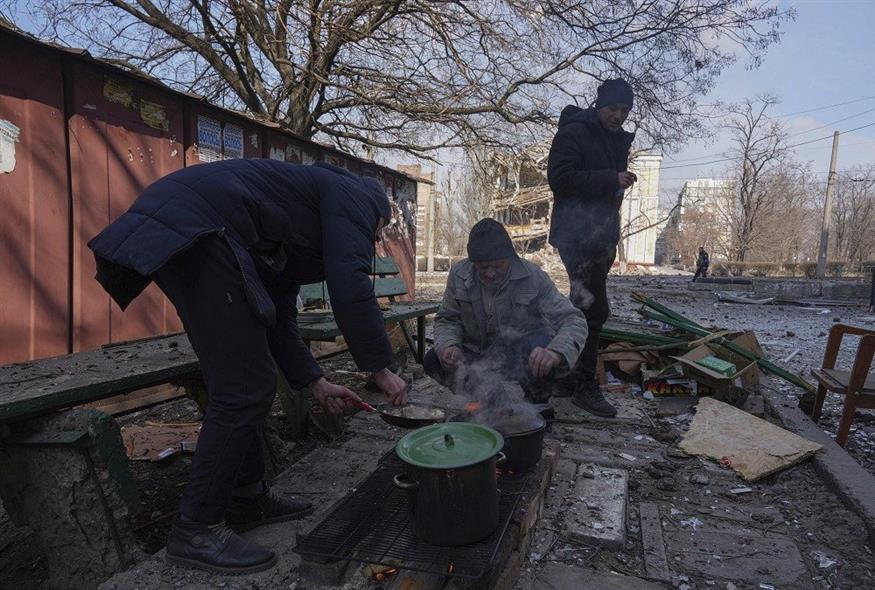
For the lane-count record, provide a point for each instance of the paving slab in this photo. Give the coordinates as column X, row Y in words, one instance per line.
column 597, row 514
column 744, row 558
column 655, row 560
column 556, row 576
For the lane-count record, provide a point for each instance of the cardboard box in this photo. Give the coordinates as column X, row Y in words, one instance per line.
column 747, row 376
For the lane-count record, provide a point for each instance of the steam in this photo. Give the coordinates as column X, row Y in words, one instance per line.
column 495, row 397
column 580, row 296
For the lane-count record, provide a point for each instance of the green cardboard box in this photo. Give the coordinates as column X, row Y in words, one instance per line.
column 746, row 375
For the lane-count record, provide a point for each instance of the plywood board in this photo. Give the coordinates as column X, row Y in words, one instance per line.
column 751, row 446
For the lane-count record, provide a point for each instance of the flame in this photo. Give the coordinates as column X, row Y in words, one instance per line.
column 472, row 406
column 381, row 576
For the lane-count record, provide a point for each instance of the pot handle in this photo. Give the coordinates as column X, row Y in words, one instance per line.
column 399, row 482
column 501, row 458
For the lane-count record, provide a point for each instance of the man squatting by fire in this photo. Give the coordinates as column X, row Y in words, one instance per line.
column 230, row 243
column 587, row 173
column 503, row 317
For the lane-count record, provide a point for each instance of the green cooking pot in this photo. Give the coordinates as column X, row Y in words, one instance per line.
column 450, row 481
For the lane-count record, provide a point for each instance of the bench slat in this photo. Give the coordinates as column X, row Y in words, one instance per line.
column 390, row 287
column 385, row 265
column 383, row 287
column 326, row 330
column 36, row 387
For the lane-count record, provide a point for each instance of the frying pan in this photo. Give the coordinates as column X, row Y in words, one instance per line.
column 390, row 415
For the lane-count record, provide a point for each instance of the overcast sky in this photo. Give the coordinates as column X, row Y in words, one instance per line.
column 826, row 57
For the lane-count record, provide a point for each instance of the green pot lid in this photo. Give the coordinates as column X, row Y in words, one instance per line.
column 449, row 445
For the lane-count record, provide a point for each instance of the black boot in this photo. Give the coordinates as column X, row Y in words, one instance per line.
column 215, row 547
column 246, row 513
column 590, row 398
column 565, row 387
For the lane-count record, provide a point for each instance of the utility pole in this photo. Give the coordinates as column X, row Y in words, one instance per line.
column 430, row 224
column 827, row 209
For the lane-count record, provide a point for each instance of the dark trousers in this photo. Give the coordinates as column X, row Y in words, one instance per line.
column 588, row 275
column 701, row 271
column 206, row 287
column 504, row 359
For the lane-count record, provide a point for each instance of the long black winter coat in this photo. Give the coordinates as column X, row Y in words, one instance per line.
column 582, row 171
column 287, row 225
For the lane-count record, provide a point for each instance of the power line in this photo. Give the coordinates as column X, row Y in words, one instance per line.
column 832, row 123
column 661, row 179
column 838, row 104
column 788, row 147
column 723, row 154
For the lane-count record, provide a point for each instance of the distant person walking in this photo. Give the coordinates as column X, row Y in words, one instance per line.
column 702, row 263
column 587, row 174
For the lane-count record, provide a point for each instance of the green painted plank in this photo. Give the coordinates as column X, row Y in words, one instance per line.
column 326, row 330
column 390, row 287
column 385, row 265
column 383, row 287
column 45, row 385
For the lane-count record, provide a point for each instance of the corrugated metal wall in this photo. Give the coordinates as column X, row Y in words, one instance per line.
column 79, row 140
column 34, row 209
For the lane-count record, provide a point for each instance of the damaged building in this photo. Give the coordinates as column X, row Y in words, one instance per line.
column 526, row 212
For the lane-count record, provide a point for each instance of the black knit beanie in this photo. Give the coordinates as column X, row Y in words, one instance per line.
column 489, row 240
column 616, row 91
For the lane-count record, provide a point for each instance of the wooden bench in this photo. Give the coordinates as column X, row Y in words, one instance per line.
column 388, row 285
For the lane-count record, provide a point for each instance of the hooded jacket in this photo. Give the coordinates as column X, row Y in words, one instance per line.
column 286, row 224
column 582, row 170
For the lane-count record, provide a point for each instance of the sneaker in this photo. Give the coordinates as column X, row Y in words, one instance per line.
column 215, row 548
column 265, row 508
column 593, row 401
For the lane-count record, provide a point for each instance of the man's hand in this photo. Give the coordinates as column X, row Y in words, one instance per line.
column 392, row 385
column 542, row 361
column 334, row 398
column 626, row 179
column 450, row 357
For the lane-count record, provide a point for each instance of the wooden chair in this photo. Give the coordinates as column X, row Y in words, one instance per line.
column 857, row 385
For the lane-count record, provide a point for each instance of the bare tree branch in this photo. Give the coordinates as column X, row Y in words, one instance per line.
column 419, row 75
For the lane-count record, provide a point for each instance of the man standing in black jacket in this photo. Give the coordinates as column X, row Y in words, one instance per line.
column 230, row 243
column 587, row 174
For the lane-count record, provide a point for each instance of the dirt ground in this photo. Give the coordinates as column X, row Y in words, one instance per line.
column 793, row 504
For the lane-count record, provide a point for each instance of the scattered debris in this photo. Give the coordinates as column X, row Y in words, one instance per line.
column 791, row 356
column 741, row 490
column 627, row 456
column 698, row 478
column 727, row 297
column 823, row 562
column 692, row 523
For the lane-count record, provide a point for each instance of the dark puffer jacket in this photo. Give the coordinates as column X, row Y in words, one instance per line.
column 582, row 171
column 287, row 225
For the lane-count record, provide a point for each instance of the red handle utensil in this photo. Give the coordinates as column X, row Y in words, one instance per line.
column 365, row 406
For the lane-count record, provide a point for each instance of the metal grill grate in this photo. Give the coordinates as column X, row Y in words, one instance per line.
column 372, row 525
